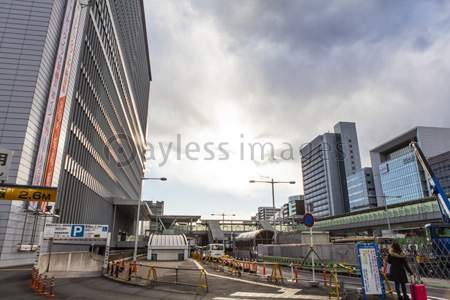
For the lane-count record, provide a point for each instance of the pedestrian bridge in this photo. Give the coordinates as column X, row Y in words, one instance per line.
column 401, row 215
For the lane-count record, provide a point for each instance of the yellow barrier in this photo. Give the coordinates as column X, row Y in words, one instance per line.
column 218, row 263
column 129, row 272
column 254, row 268
column 274, row 278
column 389, row 291
column 234, row 268
column 150, row 273
column 336, row 284
column 202, row 272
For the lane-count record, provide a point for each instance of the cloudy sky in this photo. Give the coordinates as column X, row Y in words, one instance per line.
column 227, row 74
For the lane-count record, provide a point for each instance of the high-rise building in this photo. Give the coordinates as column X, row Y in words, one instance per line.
column 74, row 92
column 326, row 162
column 267, row 213
column 398, row 175
column 441, row 168
column 285, row 210
column 296, row 205
column 361, row 190
column 157, row 207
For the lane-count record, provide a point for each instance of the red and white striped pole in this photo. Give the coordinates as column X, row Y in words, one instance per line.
column 51, row 288
column 32, row 277
column 39, row 284
column 45, row 286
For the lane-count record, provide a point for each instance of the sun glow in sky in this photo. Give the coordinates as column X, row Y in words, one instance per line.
column 230, row 74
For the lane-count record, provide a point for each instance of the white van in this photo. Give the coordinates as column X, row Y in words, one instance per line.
column 216, row 250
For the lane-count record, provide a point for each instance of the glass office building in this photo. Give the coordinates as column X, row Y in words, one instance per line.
column 361, row 190
column 398, row 176
column 441, row 168
column 402, row 176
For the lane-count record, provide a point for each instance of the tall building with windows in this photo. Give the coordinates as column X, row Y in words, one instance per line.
column 361, row 190
column 326, row 162
column 441, row 168
column 296, row 205
column 75, row 78
column 267, row 213
column 398, row 175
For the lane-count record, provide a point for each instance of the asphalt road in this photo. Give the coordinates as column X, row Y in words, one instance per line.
column 14, row 284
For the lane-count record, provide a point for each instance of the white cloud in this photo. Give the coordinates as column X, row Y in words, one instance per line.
column 287, row 71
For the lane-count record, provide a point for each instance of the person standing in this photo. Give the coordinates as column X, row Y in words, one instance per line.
column 399, row 266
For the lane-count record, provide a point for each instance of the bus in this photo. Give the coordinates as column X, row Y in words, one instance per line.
column 215, row 250
column 438, row 234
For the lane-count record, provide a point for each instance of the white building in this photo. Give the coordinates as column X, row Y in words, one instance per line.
column 167, row 247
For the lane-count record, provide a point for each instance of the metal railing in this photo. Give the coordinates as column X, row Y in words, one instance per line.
column 429, row 259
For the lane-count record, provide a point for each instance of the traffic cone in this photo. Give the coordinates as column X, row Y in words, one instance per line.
column 45, row 286
column 51, row 288
column 39, row 284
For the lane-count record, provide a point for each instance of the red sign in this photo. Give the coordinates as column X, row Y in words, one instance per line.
column 308, row 220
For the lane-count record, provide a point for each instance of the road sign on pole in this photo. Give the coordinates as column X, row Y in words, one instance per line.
column 308, row 220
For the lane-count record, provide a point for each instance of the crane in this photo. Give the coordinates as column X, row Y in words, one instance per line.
column 436, row 189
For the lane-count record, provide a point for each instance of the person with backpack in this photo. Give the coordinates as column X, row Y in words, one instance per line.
column 399, row 266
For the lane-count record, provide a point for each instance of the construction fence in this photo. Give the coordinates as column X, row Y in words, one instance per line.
column 427, row 259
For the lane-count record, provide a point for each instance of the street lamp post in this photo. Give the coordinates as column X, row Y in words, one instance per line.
column 223, row 222
column 273, row 203
column 386, row 211
column 137, row 219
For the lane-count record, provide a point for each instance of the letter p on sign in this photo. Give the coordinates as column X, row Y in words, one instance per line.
column 77, row 231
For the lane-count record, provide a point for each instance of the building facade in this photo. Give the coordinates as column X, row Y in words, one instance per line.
column 324, row 162
column 296, row 205
column 267, row 213
column 398, row 175
column 441, row 168
column 285, row 210
column 361, row 190
column 74, row 92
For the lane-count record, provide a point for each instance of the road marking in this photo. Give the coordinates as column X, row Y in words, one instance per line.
column 287, row 293
column 437, row 298
column 225, row 298
column 199, row 265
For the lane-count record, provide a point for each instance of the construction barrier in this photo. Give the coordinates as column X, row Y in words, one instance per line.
column 44, row 286
column 336, row 284
column 152, row 277
column 38, row 287
column 131, row 269
column 388, row 289
column 234, row 268
column 52, row 285
column 33, row 273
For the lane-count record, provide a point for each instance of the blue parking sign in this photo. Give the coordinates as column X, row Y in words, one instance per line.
column 77, row 231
